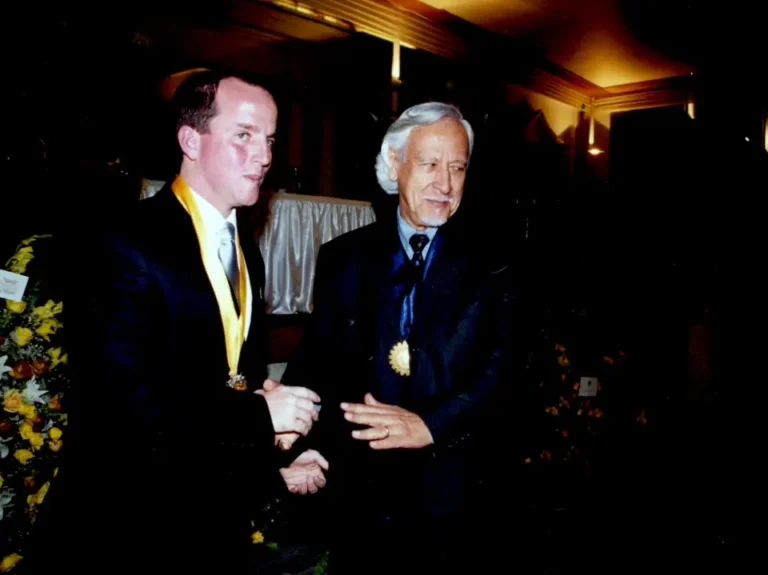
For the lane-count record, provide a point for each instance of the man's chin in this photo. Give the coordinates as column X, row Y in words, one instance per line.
column 434, row 221
column 250, row 197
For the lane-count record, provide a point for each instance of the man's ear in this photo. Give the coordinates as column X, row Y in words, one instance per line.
column 394, row 164
column 189, row 142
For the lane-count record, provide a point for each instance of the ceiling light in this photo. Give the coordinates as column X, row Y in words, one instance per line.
column 595, row 151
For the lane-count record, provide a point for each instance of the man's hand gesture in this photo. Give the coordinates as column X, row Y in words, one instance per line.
column 292, row 410
column 391, row 427
column 305, row 474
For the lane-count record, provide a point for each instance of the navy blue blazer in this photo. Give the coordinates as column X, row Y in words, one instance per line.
column 182, row 458
column 459, row 341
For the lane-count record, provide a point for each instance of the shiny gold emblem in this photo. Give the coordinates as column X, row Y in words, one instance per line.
column 238, row 382
column 400, row 358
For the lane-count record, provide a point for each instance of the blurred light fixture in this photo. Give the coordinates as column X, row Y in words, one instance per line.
column 765, row 129
column 691, row 108
column 309, row 12
column 169, row 84
column 396, row 61
column 595, row 151
column 591, row 130
column 746, row 139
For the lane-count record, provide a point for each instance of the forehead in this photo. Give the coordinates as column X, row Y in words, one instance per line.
column 447, row 136
column 237, row 98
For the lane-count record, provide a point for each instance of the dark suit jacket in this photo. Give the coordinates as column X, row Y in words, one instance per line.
column 460, row 334
column 174, row 461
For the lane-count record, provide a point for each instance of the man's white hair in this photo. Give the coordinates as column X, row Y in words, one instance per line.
column 398, row 133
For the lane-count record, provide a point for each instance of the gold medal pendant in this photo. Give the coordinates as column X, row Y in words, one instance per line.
column 238, row 382
column 400, row 358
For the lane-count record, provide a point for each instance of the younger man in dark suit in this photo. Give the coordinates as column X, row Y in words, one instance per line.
column 181, row 438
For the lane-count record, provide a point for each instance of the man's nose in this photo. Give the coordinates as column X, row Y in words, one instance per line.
column 262, row 153
column 442, row 181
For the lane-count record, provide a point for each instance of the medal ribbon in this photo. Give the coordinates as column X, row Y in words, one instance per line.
column 234, row 326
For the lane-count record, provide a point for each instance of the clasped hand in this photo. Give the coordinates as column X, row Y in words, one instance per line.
column 390, row 426
column 292, row 410
column 305, row 474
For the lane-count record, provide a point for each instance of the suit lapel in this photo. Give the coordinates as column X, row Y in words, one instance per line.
column 254, row 355
column 438, row 296
column 187, row 276
column 439, row 301
column 380, row 327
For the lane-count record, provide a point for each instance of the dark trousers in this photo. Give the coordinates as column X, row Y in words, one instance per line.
column 407, row 545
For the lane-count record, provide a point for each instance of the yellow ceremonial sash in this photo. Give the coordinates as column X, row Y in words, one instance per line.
column 234, row 326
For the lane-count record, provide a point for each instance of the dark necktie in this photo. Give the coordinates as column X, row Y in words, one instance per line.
column 418, row 243
column 228, row 257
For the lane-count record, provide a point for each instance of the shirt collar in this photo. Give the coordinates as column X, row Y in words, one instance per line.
column 212, row 218
column 406, row 232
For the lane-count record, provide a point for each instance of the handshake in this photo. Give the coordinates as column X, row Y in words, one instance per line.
column 293, row 411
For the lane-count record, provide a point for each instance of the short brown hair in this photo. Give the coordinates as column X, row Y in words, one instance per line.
column 194, row 102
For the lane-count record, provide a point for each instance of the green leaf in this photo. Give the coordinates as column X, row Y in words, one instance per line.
column 272, row 545
column 322, row 565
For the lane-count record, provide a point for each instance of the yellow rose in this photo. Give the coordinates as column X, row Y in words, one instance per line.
column 9, row 562
column 48, row 327
column 56, row 358
column 1, row 480
column 26, row 431
column 48, row 310
column 37, row 498
column 27, row 410
column 55, row 433
column 36, row 441
column 18, row 262
column 257, row 537
column 16, row 306
column 23, row 455
column 22, row 336
column 55, row 446
column 12, row 401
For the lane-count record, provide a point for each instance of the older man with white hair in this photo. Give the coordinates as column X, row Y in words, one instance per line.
column 407, row 348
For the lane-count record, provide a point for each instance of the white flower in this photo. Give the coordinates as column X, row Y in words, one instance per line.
column 4, row 451
column 6, row 496
column 32, row 393
column 4, row 368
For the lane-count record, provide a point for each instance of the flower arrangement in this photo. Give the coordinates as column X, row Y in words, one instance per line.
column 578, row 380
column 33, row 387
column 575, row 417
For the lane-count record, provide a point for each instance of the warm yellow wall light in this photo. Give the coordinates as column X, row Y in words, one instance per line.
column 765, row 129
column 396, row 61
